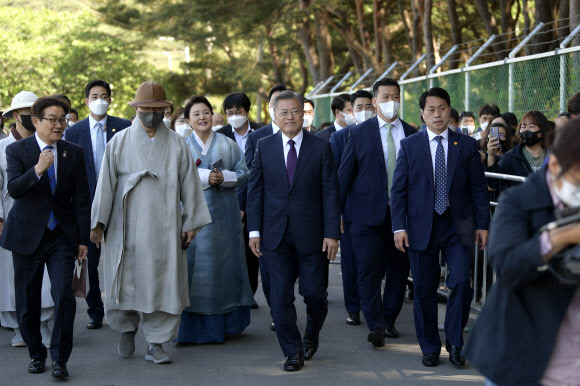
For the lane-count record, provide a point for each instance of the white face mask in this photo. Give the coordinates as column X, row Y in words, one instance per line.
column 167, row 122
column 184, row 130
column 99, row 107
column 349, row 119
column 237, row 121
column 70, row 123
column 484, row 125
column 390, row 109
column 568, row 193
column 308, row 119
column 217, row 127
column 271, row 111
column 362, row 116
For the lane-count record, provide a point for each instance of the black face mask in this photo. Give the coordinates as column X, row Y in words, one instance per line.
column 530, row 138
column 151, row 119
column 26, row 121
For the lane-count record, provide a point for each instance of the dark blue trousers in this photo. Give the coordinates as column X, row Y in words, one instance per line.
column 375, row 255
column 426, row 275
column 285, row 265
column 349, row 271
column 96, row 310
column 59, row 256
column 265, row 275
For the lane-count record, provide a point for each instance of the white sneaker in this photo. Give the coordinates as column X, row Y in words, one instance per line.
column 46, row 334
column 17, row 340
column 156, row 354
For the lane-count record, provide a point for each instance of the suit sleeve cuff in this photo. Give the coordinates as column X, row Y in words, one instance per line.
column 230, row 179
column 204, row 177
column 400, row 230
column 254, row 234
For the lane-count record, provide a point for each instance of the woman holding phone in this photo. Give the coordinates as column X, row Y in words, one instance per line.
column 220, row 294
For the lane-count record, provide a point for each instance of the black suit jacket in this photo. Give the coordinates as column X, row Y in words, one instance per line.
column 309, row 207
column 33, row 200
column 80, row 134
column 515, row 333
column 327, row 133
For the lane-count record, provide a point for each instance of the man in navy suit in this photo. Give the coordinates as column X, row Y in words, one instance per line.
column 251, row 146
column 343, row 116
column 365, row 174
column 363, row 109
column 294, row 216
column 48, row 224
column 237, row 107
column 439, row 204
column 92, row 134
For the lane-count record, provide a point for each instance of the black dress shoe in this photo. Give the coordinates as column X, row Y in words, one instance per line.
column 377, row 337
column 391, row 332
column 310, row 346
column 294, row 362
column 455, row 355
column 430, row 360
column 94, row 324
column 272, row 327
column 37, row 366
column 353, row 318
column 59, row 370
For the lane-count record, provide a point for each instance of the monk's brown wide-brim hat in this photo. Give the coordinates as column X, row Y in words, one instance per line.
column 150, row 94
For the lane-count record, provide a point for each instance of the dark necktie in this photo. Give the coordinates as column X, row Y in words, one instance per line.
column 52, row 222
column 291, row 161
column 440, row 178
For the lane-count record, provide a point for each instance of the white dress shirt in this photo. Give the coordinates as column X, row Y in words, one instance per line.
column 42, row 145
column 241, row 139
column 286, row 147
column 230, row 178
column 275, row 128
column 94, row 132
column 398, row 134
column 337, row 126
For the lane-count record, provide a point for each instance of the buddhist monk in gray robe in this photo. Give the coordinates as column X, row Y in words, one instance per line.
column 148, row 203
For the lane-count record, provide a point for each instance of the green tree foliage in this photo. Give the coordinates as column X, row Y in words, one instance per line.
column 53, row 51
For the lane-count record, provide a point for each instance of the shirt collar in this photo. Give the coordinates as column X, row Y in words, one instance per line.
column 275, row 128
column 297, row 139
column 432, row 135
column 41, row 144
column 244, row 135
column 337, row 126
column 93, row 122
column 382, row 122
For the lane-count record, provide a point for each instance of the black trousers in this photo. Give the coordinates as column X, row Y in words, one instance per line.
column 96, row 310
column 59, row 256
column 251, row 260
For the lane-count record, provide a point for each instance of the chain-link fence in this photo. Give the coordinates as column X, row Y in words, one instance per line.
column 541, row 82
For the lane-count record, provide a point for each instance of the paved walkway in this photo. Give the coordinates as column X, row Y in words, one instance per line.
column 254, row 358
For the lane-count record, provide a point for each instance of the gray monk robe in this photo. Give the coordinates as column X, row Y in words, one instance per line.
column 148, row 193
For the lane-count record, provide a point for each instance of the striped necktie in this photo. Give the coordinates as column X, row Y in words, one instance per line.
column 50, row 173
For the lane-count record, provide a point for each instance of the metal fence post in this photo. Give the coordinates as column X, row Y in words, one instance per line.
column 367, row 73
column 468, row 63
column 512, row 55
column 411, row 69
column 563, row 68
column 391, row 68
column 336, row 86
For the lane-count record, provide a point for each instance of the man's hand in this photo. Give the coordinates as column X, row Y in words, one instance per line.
column 189, row 236
column 563, row 237
column 255, row 246
column 341, row 226
column 216, row 177
column 242, row 214
column 481, row 238
column 97, row 234
column 330, row 246
column 401, row 241
column 83, row 250
column 45, row 161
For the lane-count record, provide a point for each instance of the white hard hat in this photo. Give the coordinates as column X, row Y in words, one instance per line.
column 22, row 100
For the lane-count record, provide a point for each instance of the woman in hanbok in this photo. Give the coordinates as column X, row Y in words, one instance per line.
column 220, row 293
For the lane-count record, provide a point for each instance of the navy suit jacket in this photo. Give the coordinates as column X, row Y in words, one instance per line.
column 80, row 134
column 413, row 192
column 338, row 141
column 362, row 178
column 309, row 208
column 326, row 133
column 242, row 191
column 251, row 145
column 33, row 199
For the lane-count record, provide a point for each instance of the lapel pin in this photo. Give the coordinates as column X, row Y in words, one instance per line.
column 113, row 130
column 64, row 154
column 455, row 143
